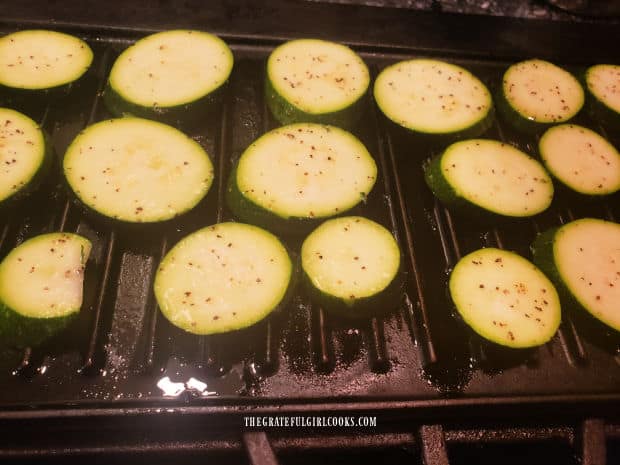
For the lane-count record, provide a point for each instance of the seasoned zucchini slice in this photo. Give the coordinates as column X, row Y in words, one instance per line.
column 581, row 159
column 41, row 287
column 583, row 259
column 434, row 98
column 536, row 94
column 505, row 298
column 25, row 156
column 223, row 278
column 482, row 176
column 172, row 76
column 295, row 176
column 351, row 266
column 137, row 170
column 310, row 80
column 39, row 60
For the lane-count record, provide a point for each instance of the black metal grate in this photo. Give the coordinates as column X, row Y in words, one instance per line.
column 418, row 362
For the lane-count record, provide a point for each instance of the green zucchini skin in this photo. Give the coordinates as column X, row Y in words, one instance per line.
column 362, row 308
column 187, row 115
column 429, row 142
column 182, row 220
column 16, row 97
column 20, row 331
column 514, row 119
column 543, row 256
column 250, row 212
column 444, row 191
column 287, row 113
column 598, row 109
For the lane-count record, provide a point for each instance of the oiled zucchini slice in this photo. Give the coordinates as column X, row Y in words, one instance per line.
column 351, row 266
column 603, row 87
column 583, row 259
column 39, row 60
column 505, row 298
column 434, row 98
column 172, row 76
column 482, row 177
column 223, row 278
column 536, row 94
column 295, row 176
column 41, row 287
column 581, row 159
column 311, row 80
column 137, row 170
column 25, row 155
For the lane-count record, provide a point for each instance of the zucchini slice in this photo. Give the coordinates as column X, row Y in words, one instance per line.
column 603, row 87
column 505, row 298
column 295, row 176
column 137, row 170
column 536, row 94
column 310, row 80
column 171, row 76
column 41, row 287
column 25, row 155
column 351, row 266
column 482, row 176
column 582, row 258
column 223, row 278
column 39, row 60
column 434, row 98
column 581, row 159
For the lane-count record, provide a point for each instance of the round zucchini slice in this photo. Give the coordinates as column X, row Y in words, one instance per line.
column 223, row 278
column 41, row 287
column 311, row 80
column 603, row 87
column 137, row 170
column 434, row 98
column 482, row 177
column 582, row 258
column 39, row 60
column 172, row 76
column 295, row 176
column 581, row 159
column 25, row 155
column 505, row 298
column 351, row 266
column 536, row 94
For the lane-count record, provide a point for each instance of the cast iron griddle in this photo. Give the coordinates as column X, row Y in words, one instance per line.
column 419, row 356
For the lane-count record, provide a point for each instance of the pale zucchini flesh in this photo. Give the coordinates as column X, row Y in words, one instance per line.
column 581, row 159
column 494, row 177
column 137, row 170
column 603, row 82
column 22, row 152
column 40, row 59
column 350, row 259
column 171, row 68
column 306, row 170
column 433, row 97
column 587, row 256
column 317, row 76
column 540, row 92
column 223, row 278
column 505, row 298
